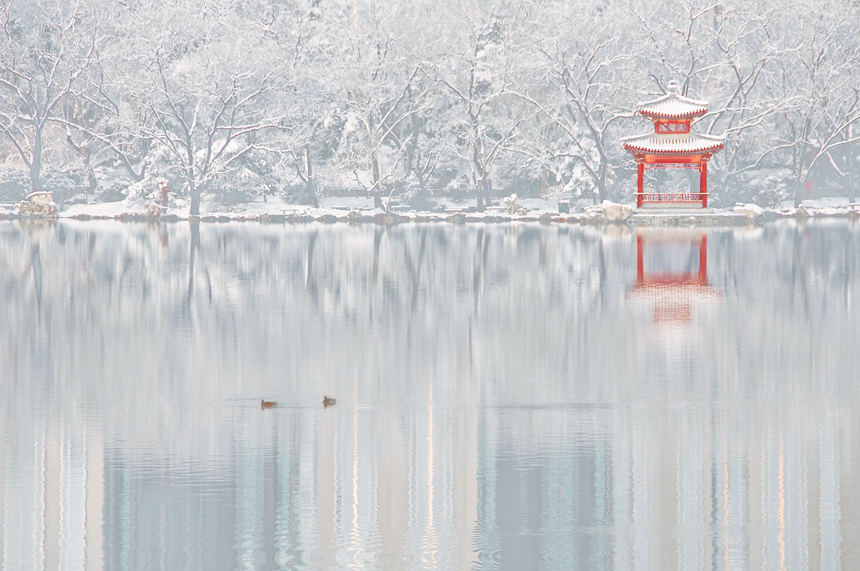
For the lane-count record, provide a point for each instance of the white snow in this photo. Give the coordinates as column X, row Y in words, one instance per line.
column 673, row 143
column 673, row 107
column 749, row 210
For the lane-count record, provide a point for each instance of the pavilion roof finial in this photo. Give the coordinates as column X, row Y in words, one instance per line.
column 673, row 87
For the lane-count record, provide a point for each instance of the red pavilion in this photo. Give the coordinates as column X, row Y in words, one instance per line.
column 673, row 145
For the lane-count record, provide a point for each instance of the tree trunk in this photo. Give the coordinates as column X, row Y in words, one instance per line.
column 194, row 192
column 375, row 167
column 36, row 161
column 310, row 195
column 601, row 189
column 193, row 188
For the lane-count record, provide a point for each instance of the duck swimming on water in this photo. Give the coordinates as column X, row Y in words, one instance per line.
column 328, row 401
column 267, row 404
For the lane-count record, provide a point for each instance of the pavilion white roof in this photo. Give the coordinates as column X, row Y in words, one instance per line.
column 673, row 143
column 673, row 106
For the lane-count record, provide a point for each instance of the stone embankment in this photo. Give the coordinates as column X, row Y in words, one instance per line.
column 606, row 213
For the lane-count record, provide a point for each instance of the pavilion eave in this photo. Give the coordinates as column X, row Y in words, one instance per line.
column 673, row 145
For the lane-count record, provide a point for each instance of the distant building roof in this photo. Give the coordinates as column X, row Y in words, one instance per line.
column 673, row 105
column 673, row 143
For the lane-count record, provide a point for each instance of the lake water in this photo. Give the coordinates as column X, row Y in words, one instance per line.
column 508, row 397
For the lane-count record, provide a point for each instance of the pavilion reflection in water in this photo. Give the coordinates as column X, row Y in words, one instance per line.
column 672, row 274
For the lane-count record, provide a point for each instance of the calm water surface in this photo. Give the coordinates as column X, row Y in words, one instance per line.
column 508, row 397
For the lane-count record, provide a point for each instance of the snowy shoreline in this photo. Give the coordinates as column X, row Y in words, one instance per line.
column 358, row 211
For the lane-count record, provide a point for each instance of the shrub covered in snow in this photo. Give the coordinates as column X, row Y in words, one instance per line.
column 14, row 185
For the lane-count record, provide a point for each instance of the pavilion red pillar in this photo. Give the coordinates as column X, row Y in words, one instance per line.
column 640, row 178
column 703, row 184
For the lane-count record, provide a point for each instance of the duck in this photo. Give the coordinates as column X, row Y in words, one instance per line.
column 328, row 401
column 267, row 404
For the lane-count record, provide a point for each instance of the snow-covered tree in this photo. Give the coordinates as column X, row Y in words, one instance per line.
column 821, row 87
column 377, row 87
column 210, row 91
column 46, row 49
column 262, row 95
column 201, row 73
column 308, row 122
column 589, row 86
column 745, row 55
column 477, row 72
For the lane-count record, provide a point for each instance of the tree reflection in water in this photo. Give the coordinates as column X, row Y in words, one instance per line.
column 507, row 397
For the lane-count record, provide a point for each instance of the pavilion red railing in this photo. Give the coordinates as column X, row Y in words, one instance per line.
column 669, row 197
